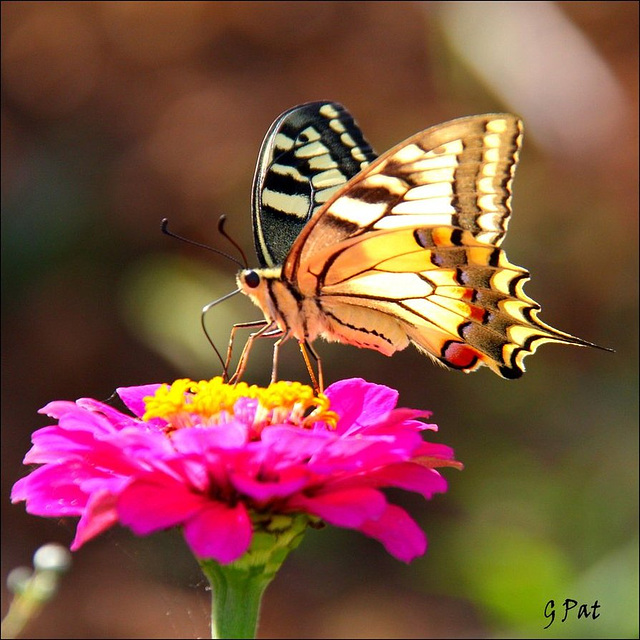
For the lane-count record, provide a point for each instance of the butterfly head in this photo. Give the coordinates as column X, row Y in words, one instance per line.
column 257, row 285
column 249, row 280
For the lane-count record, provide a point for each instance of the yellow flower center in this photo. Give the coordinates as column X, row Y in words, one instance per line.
column 210, row 402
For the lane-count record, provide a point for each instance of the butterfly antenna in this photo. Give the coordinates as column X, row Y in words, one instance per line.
column 165, row 229
column 223, row 231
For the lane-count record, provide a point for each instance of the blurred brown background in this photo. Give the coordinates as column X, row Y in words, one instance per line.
column 117, row 114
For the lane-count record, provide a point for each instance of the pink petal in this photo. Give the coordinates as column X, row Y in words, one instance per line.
column 398, row 532
column 364, row 453
column 396, row 420
column 434, row 450
column 99, row 515
column 219, row 531
column 347, row 508
column 201, row 439
column 57, row 408
column 157, row 502
column 293, row 443
column 411, row 477
column 51, row 491
column 78, row 419
column 116, row 418
column 262, row 490
column 54, row 445
column 359, row 402
column 133, row 397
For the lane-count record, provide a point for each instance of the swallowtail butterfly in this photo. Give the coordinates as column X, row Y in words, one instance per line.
column 381, row 252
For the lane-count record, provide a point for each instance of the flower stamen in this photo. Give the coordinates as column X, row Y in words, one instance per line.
column 186, row 402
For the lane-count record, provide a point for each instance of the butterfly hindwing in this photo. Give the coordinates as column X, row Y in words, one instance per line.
column 408, row 251
column 309, row 152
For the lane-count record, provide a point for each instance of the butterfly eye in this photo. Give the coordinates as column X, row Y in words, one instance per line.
column 251, row 279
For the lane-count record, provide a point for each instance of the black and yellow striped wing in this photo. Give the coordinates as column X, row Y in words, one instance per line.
column 408, row 251
column 309, row 152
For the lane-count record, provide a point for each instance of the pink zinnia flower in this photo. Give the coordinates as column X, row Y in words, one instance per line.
column 225, row 461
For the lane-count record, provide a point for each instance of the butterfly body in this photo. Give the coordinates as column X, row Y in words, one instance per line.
column 307, row 318
column 396, row 250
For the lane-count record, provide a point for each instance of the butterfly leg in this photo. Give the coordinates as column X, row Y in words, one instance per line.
column 276, row 353
column 232, row 337
column 318, row 383
column 269, row 330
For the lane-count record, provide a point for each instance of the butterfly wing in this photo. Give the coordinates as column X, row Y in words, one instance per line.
column 409, row 251
column 309, row 152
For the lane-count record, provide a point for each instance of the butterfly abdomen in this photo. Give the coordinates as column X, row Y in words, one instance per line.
column 363, row 327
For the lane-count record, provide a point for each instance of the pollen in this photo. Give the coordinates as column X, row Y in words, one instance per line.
column 167, row 400
column 296, row 402
column 208, row 402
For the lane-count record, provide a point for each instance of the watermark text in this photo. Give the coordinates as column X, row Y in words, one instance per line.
column 567, row 609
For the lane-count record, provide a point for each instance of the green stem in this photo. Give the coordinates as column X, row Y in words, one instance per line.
column 237, row 588
column 236, row 598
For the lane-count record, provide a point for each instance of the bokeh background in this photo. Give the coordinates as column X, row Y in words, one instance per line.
column 117, row 114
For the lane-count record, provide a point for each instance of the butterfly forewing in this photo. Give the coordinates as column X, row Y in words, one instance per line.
column 457, row 175
column 309, row 152
column 408, row 250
